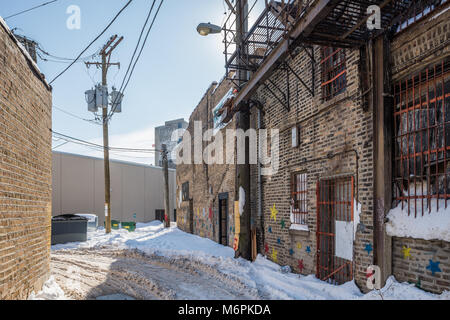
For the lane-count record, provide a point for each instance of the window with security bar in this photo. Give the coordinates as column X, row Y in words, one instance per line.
column 299, row 192
column 334, row 72
column 419, row 10
column 422, row 140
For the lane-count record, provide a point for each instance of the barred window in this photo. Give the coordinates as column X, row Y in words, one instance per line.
column 299, row 191
column 418, row 11
column 422, row 140
column 185, row 191
column 334, row 72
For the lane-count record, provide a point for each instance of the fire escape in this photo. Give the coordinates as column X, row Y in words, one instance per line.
column 287, row 26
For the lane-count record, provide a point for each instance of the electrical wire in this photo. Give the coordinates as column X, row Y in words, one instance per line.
column 136, row 48
column 92, row 42
column 111, row 113
column 92, row 121
column 27, row 10
column 91, row 144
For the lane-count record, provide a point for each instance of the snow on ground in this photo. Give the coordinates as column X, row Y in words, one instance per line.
column 50, row 291
column 429, row 226
column 261, row 276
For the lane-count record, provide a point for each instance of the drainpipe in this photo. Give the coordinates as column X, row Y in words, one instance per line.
column 260, row 213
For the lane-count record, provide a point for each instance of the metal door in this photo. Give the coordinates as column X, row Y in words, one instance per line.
column 223, row 219
column 334, row 203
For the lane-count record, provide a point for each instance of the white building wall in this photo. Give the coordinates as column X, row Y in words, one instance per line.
column 78, row 187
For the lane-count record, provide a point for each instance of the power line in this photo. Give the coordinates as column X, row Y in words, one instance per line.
column 24, row 11
column 139, row 55
column 136, row 48
column 91, row 144
column 92, row 121
column 92, row 42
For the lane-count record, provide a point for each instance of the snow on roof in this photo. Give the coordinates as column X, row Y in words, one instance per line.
column 25, row 53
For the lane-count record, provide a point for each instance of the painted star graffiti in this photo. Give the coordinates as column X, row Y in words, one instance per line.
column 369, row 248
column 301, row 266
column 273, row 213
column 434, row 267
column 406, row 252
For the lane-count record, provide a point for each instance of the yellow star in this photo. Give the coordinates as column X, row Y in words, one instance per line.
column 274, row 255
column 299, row 245
column 273, row 213
column 406, row 252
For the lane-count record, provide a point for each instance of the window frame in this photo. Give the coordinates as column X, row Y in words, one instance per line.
column 299, row 207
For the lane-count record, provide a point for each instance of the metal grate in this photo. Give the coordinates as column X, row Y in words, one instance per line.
column 335, row 198
column 422, row 140
column 270, row 28
column 418, row 11
column 299, row 191
column 334, row 72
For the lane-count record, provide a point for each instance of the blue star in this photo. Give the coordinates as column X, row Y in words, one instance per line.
column 291, row 252
column 434, row 267
column 369, row 248
column 308, row 249
column 279, row 241
column 270, row 229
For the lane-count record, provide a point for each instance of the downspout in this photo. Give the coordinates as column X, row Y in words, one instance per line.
column 260, row 213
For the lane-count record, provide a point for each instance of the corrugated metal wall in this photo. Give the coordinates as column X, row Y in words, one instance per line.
column 78, row 187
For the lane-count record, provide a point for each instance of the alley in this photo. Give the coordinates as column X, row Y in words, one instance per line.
column 92, row 273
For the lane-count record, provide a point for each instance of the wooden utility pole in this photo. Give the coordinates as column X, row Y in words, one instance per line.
column 166, row 186
column 105, row 64
column 243, row 122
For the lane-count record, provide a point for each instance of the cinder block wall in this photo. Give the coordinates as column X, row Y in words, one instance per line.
column 207, row 182
column 25, row 173
column 335, row 126
column 412, row 50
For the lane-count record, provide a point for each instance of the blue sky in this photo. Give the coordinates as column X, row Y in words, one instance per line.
column 174, row 71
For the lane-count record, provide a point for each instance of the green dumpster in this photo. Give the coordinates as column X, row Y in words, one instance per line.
column 130, row 226
column 115, row 224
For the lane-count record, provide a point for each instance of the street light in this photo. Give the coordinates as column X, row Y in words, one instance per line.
column 205, row 29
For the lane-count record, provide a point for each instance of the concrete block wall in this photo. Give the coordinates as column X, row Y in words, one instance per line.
column 25, row 172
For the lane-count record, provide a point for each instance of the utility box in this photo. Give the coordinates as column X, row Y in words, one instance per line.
column 101, row 96
column 116, row 101
column 90, row 99
column 69, row 228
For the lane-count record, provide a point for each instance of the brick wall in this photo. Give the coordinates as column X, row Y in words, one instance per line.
column 337, row 126
column 25, row 173
column 412, row 50
column 411, row 263
column 207, row 182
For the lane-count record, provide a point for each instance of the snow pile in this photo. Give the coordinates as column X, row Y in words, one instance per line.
column 430, row 226
column 50, row 291
column 262, row 275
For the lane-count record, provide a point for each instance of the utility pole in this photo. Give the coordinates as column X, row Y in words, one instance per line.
column 166, row 186
column 105, row 64
column 243, row 122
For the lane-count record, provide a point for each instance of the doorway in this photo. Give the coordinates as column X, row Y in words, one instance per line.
column 223, row 219
column 335, row 211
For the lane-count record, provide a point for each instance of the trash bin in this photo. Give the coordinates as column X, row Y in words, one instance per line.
column 69, row 228
column 92, row 220
column 130, row 226
column 115, row 224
